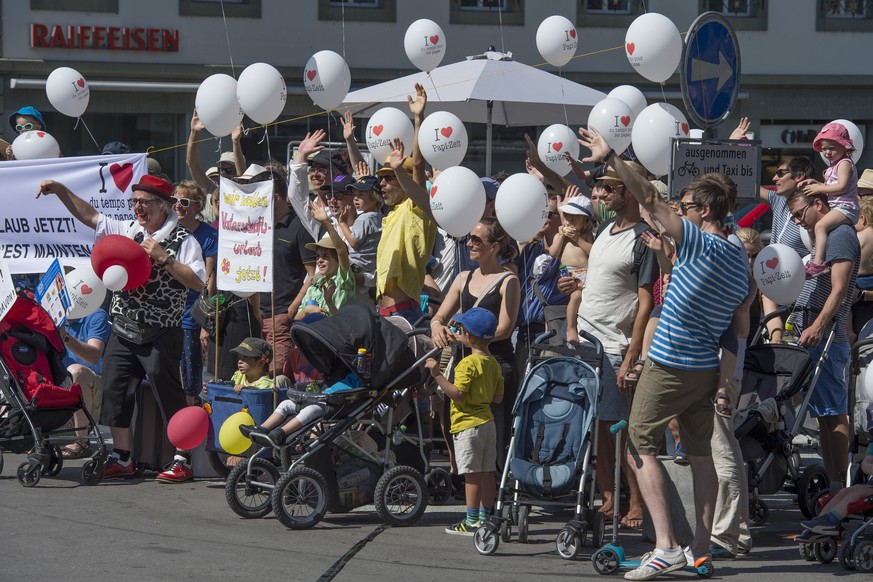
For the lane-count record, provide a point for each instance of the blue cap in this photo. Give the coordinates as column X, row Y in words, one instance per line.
column 491, row 187
column 340, row 183
column 313, row 317
column 32, row 112
column 365, row 183
column 479, row 322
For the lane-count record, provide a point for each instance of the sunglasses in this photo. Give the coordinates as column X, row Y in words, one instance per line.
column 799, row 214
column 782, row 172
column 477, row 241
column 388, row 178
column 25, row 127
column 684, row 206
column 228, row 171
column 608, row 188
column 183, row 202
column 144, row 201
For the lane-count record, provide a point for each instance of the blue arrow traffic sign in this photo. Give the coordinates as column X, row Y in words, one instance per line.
column 710, row 73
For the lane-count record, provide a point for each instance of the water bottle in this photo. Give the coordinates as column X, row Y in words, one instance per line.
column 564, row 271
column 360, row 361
column 397, row 437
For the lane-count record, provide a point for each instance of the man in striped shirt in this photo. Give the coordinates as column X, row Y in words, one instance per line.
column 681, row 374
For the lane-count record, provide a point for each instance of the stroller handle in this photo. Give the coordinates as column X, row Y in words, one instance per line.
column 856, row 353
column 598, row 347
column 618, row 427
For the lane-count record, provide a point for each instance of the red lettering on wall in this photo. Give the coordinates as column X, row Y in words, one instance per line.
column 57, row 40
column 111, row 38
column 99, row 37
column 154, row 35
column 137, row 39
column 112, row 42
column 38, row 33
column 171, row 41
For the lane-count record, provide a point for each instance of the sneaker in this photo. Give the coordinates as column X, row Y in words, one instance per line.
column 277, row 435
column 462, row 528
column 679, row 456
column 806, row 537
column 719, row 553
column 656, row 563
column 696, row 561
column 115, row 470
column 822, row 525
column 247, row 430
column 178, row 472
column 815, row 270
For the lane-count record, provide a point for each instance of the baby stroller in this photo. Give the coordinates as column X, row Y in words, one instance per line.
column 333, row 463
column 551, row 453
column 38, row 396
column 768, row 420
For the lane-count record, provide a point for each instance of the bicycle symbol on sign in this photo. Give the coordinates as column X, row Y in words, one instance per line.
column 689, row 168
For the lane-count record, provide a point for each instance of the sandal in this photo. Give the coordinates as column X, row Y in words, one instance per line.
column 77, row 450
column 723, row 405
column 633, row 375
column 632, row 522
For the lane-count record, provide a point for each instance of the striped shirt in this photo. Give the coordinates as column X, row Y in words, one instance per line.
column 709, row 282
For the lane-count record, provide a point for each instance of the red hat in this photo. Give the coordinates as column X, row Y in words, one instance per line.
column 154, row 185
column 835, row 132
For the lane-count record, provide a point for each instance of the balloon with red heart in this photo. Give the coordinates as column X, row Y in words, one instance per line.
column 120, row 262
column 780, row 273
column 457, row 200
column 425, row 44
column 35, row 145
column 86, row 291
column 613, row 118
column 188, row 428
column 653, row 46
column 327, row 79
column 386, row 125
column 556, row 40
column 443, row 140
column 553, row 143
column 67, row 91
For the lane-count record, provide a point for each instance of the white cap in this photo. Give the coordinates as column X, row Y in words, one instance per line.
column 226, row 158
column 578, row 205
column 252, row 171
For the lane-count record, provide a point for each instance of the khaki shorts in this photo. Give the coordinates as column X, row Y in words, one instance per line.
column 476, row 449
column 664, row 393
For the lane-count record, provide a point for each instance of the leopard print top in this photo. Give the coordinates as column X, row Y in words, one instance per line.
column 161, row 301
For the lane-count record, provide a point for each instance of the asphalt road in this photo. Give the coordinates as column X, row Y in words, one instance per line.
column 145, row 530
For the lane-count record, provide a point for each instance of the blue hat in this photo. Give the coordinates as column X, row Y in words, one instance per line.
column 340, row 183
column 491, row 187
column 116, row 147
column 32, row 112
column 479, row 322
column 365, row 183
column 313, row 317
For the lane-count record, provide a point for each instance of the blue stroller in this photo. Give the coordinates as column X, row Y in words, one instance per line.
column 551, row 454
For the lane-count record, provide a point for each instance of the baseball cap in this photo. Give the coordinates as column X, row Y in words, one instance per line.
column 578, row 205
column 253, row 347
column 116, row 148
column 340, row 182
column 365, row 183
column 479, row 322
column 29, row 111
column 491, row 187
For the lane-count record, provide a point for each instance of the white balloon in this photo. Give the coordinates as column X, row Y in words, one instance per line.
column 386, row 125
column 780, row 274
column 522, row 206
column 614, row 120
column 217, row 105
column 67, row 91
column 327, row 79
column 556, row 140
column 804, row 237
column 115, row 277
column 262, row 92
column 651, row 136
column 35, row 145
column 653, row 46
column 857, row 139
column 443, row 140
column 425, row 44
column 457, row 200
column 632, row 96
column 556, row 40
column 87, row 292
column 243, row 294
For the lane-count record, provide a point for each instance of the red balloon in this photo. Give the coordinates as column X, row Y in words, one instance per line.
column 188, row 428
column 116, row 249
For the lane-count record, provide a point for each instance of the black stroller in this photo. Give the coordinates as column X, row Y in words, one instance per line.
column 334, row 463
column 38, row 396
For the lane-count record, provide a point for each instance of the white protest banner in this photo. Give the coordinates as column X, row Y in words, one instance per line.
column 245, row 237
column 7, row 289
column 35, row 231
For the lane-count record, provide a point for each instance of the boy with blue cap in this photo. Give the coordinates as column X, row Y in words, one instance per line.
column 25, row 119
column 478, row 383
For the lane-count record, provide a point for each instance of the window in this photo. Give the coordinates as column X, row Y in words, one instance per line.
column 76, row 5
column 232, row 8
column 608, row 13
column 731, row 7
column 610, row 6
column 844, row 15
column 743, row 14
column 487, row 12
column 358, row 10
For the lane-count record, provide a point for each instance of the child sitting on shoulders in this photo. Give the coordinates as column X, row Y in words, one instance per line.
column 571, row 246
column 364, row 234
column 478, row 384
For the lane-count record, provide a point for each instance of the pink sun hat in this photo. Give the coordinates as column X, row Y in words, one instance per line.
column 835, row 132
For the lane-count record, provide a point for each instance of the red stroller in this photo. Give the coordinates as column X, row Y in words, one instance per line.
column 37, row 396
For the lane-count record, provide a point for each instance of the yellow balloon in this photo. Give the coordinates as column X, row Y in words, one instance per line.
column 230, row 438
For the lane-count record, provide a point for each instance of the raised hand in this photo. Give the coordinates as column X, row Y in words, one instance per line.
column 417, row 105
column 592, row 140
column 348, row 126
column 741, row 129
column 362, row 169
column 196, row 125
column 396, row 158
column 316, row 209
column 311, row 143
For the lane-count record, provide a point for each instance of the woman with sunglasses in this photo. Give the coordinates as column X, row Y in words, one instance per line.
column 188, row 201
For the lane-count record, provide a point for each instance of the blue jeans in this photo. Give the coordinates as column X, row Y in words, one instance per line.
column 831, row 396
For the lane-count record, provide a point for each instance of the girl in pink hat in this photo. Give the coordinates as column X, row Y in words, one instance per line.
column 840, row 187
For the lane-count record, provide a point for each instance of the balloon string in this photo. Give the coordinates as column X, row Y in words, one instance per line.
column 343, row 9
column 433, row 84
column 227, row 36
column 664, row 95
column 85, row 125
column 563, row 101
column 500, row 18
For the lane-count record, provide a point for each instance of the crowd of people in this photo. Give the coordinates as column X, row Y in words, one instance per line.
column 665, row 286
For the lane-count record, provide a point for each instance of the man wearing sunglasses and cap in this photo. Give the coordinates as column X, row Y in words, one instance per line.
column 146, row 338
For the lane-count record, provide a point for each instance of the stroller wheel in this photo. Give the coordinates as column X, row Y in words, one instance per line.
column 401, row 496
column 598, row 529
column 523, row 515
column 244, row 497
column 506, row 523
column 825, row 551
column 813, row 481
column 56, row 462
column 29, row 475
column 568, row 543
column 485, row 539
column 864, row 556
column 439, row 486
column 92, row 472
column 605, row 561
column 847, row 557
column 758, row 512
column 1, row 461
column 300, row 498
column 806, row 552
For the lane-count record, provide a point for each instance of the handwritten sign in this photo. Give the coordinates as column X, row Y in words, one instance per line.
column 35, row 231
column 245, row 237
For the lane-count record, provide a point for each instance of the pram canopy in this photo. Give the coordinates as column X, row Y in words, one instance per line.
column 331, row 346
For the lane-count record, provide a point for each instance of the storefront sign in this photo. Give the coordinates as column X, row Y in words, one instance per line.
column 789, row 136
column 109, row 38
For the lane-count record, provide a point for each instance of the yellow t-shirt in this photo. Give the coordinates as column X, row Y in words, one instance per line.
column 408, row 236
column 481, row 378
column 239, row 379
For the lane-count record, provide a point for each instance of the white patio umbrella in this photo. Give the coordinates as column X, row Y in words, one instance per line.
column 489, row 88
